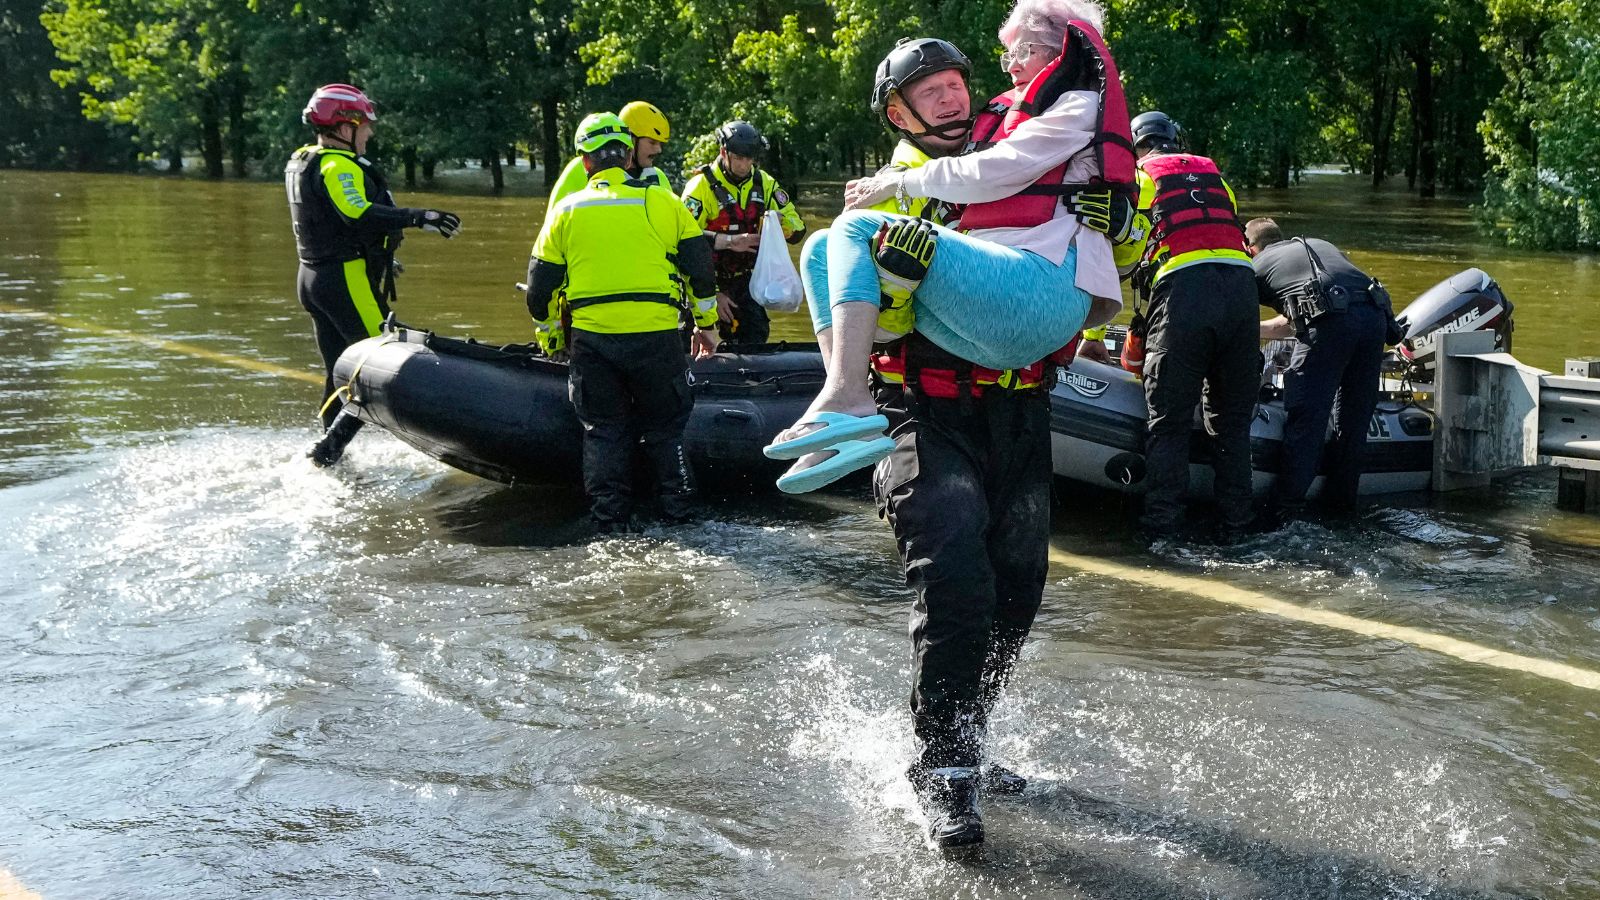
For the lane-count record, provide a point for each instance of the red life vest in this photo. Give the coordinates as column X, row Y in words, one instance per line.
column 1192, row 209
column 1084, row 65
column 731, row 218
column 914, row 361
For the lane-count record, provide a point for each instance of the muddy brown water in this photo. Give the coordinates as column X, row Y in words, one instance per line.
column 228, row 674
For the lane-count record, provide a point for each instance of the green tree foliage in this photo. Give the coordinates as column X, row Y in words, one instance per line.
column 1455, row 94
column 40, row 125
column 169, row 68
column 1540, row 132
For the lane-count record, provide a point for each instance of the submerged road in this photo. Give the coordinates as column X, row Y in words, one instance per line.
column 226, row 673
column 1209, row 589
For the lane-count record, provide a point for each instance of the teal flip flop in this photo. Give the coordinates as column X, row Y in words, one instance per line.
column 836, row 427
column 848, row 456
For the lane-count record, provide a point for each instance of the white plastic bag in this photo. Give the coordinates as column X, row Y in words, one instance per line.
column 775, row 283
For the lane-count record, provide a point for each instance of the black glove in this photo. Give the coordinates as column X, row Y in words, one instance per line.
column 437, row 221
column 905, row 250
column 1109, row 213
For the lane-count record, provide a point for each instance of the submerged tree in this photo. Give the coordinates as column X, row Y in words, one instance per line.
column 169, row 68
column 1540, row 132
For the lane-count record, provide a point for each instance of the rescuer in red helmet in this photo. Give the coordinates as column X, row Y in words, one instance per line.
column 346, row 229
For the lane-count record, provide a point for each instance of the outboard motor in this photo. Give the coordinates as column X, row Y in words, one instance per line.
column 1466, row 301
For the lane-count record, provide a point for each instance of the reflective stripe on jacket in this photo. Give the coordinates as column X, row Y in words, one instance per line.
column 618, row 240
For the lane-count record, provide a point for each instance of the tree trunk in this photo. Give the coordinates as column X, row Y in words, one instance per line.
column 236, row 126
column 551, row 108
column 1427, row 162
column 1281, row 168
column 511, row 156
column 1411, row 150
column 211, row 135
column 1382, row 121
column 1460, row 137
column 427, row 169
column 174, row 158
column 409, row 157
column 1389, row 121
column 497, row 174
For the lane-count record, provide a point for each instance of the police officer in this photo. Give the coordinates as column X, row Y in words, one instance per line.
column 620, row 251
column 1202, row 329
column 346, row 229
column 650, row 130
column 1340, row 317
column 729, row 197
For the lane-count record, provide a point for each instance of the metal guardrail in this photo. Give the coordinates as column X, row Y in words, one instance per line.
column 1497, row 416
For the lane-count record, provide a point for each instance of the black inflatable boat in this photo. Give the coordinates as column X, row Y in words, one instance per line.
column 502, row 412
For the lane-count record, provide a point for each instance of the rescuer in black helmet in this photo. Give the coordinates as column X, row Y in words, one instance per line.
column 729, row 198
column 1156, row 131
column 909, row 62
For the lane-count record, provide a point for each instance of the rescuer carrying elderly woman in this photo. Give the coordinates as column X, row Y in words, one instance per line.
column 1018, row 280
column 961, row 372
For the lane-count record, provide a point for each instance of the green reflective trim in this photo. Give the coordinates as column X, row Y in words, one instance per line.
column 607, row 201
column 346, row 184
column 355, row 281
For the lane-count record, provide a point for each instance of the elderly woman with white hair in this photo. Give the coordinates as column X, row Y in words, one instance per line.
column 1016, row 285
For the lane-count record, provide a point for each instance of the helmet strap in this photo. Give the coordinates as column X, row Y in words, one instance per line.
column 959, row 128
column 332, row 135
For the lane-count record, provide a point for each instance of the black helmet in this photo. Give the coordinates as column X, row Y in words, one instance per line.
column 911, row 59
column 741, row 138
column 1155, row 130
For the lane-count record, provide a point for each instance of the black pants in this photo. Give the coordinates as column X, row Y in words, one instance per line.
column 628, row 390
column 967, row 492
column 1203, row 345
column 750, row 324
column 328, row 296
column 1343, row 358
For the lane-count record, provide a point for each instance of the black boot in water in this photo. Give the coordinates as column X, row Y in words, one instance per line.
column 330, row 449
column 949, row 798
column 997, row 779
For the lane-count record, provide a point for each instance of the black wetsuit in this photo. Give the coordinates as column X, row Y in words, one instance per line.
column 967, row 491
column 345, row 279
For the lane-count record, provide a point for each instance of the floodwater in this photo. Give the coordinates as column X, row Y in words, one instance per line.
column 226, row 673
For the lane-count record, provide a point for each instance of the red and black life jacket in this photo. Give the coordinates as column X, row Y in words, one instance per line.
column 1192, row 210
column 1084, row 65
column 732, row 218
column 923, row 368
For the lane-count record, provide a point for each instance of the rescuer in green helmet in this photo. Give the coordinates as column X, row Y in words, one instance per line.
column 627, row 257
column 650, row 130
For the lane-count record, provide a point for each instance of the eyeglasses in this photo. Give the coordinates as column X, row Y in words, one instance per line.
column 1024, row 52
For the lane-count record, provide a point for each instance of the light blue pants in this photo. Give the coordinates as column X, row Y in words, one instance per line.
column 996, row 306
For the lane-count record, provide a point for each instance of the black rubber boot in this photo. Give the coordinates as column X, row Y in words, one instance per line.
column 674, row 480
column 997, row 779
column 616, row 527
column 330, row 449
column 949, row 798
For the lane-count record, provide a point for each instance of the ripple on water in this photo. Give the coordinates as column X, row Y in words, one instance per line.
column 349, row 682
